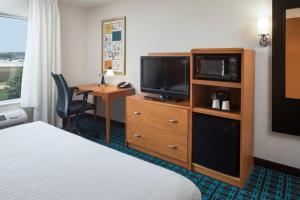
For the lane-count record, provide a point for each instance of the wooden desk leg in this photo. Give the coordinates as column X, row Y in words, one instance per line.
column 95, row 111
column 107, row 118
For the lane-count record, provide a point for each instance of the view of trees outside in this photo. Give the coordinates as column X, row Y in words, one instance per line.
column 12, row 47
column 11, row 67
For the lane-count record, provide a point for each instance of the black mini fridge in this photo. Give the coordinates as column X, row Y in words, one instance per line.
column 216, row 143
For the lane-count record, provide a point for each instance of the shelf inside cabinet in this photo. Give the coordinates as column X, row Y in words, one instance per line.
column 217, row 83
column 203, row 96
column 219, row 113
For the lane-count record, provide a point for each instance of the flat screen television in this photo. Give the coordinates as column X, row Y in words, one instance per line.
column 166, row 76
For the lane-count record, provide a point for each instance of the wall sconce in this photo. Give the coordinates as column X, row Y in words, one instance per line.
column 263, row 31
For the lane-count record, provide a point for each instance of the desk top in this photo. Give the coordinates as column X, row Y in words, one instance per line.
column 108, row 89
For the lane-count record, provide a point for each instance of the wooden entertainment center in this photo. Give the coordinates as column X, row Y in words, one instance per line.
column 165, row 129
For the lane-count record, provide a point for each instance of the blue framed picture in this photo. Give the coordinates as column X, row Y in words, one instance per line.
column 113, row 45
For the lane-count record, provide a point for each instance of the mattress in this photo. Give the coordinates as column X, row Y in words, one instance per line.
column 41, row 162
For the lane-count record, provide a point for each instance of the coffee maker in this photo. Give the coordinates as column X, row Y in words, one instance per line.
column 222, row 98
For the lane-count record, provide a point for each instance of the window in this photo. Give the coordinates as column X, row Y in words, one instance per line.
column 13, row 32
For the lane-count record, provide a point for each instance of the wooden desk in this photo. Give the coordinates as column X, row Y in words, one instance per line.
column 108, row 94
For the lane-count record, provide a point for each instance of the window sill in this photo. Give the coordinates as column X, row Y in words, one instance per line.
column 10, row 102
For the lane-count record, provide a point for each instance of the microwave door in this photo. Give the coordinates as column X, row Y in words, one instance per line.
column 218, row 67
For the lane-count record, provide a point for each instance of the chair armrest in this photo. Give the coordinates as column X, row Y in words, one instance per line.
column 84, row 99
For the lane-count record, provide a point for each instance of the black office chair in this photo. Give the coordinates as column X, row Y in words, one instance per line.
column 66, row 107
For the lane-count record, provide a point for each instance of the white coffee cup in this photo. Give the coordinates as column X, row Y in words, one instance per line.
column 226, row 105
column 216, row 104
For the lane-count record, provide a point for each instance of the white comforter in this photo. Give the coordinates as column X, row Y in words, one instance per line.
column 41, row 162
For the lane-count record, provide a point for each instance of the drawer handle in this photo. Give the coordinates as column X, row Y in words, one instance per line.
column 136, row 135
column 137, row 113
column 173, row 121
column 171, row 146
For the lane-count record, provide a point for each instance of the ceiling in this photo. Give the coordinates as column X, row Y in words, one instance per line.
column 87, row 3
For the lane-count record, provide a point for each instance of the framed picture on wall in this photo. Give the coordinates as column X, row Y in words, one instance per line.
column 113, row 45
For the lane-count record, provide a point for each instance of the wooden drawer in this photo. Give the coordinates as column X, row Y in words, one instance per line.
column 160, row 116
column 160, row 141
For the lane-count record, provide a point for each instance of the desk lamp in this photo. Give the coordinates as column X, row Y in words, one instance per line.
column 109, row 72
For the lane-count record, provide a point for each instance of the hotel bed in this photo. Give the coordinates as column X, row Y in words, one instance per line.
column 41, row 162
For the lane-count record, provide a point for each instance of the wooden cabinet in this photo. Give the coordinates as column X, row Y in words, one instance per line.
column 163, row 129
column 242, row 98
column 159, row 128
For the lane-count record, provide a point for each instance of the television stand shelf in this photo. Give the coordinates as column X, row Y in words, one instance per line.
column 162, row 98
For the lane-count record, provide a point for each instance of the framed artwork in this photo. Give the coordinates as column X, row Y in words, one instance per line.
column 113, row 45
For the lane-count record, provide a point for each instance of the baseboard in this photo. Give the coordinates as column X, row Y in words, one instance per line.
column 277, row 166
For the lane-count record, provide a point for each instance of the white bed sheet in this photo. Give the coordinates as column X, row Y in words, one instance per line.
column 41, row 162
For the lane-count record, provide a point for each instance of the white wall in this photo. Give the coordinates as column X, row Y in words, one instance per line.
column 74, row 43
column 173, row 25
column 176, row 25
column 14, row 7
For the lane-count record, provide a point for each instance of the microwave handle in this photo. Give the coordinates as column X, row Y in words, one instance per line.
column 223, row 68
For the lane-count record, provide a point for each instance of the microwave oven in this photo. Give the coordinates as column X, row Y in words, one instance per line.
column 219, row 67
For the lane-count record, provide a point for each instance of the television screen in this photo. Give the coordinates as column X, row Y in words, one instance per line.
column 168, row 76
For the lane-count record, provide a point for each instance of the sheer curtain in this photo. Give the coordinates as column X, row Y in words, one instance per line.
column 43, row 56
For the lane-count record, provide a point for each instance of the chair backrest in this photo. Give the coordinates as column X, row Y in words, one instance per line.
column 63, row 100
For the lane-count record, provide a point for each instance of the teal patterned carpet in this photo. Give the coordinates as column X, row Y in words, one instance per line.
column 262, row 184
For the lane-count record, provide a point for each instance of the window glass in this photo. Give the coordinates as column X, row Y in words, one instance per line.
column 12, row 53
